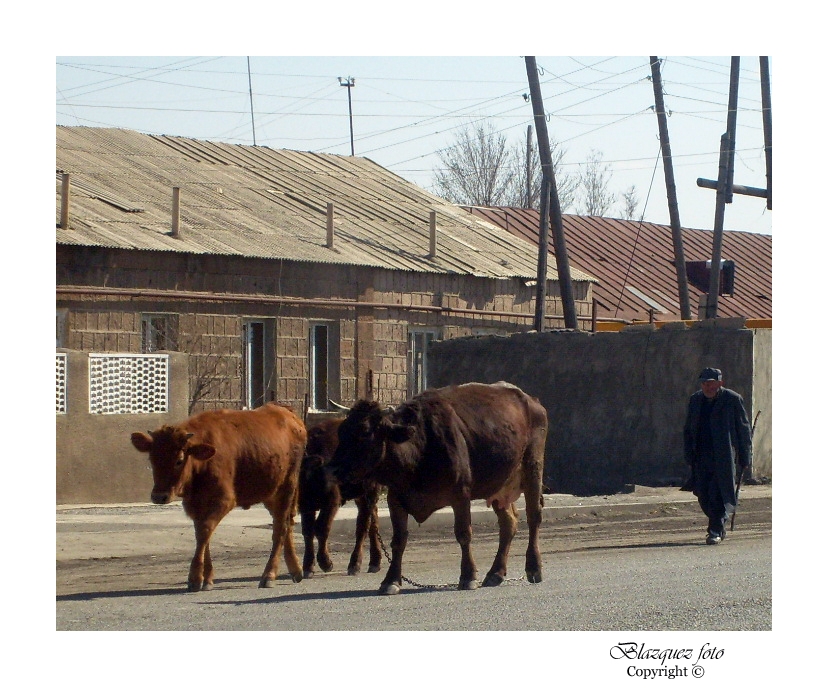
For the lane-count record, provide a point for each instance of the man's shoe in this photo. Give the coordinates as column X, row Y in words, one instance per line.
column 713, row 540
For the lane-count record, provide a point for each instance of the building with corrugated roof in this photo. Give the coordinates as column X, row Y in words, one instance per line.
column 288, row 276
column 633, row 263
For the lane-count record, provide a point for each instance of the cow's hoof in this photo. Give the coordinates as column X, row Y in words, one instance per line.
column 193, row 586
column 297, row 577
column 307, row 574
column 374, row 568
column 493, row 579
column 353, row 570
column 207, row 585
column 534, row 576
column 468, row 585
column 390, row 589
column 267, row 583
column 326, row 566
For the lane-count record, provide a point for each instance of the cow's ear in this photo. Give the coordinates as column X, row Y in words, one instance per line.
column 400, row 433
column 201, row 452
column 141, row 441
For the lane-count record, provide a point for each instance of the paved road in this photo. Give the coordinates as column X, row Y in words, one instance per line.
column 621, row 563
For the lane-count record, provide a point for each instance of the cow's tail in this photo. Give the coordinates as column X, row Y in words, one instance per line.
column 533, row 459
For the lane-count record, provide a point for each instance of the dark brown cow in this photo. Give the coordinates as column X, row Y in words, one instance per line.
column 446, row 447
column 319, row 492
column 218, row 460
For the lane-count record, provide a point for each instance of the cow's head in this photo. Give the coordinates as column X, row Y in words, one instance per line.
column 364, row 437
column 171, row 453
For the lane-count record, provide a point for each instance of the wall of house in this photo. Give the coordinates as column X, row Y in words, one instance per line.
column 372, row 356
column 616, row 401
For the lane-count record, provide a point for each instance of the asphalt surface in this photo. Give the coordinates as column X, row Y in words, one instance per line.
column 633, row 561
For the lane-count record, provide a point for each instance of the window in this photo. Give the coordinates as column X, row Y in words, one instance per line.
column 157, row 332
column 60, row 328
column 419, row 341
column 322, row 345
column 257, row 361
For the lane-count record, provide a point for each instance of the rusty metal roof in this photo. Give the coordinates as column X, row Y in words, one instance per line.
column 258, row 202
column 634, row 263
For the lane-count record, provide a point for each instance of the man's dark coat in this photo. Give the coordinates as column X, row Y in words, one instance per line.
column 731, row 434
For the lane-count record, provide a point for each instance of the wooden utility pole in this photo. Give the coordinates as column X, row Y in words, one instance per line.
column 765, row 90
column 670, row 186
column 541, row 274
column 725, row 179
column 529, row 166
column 548, row 177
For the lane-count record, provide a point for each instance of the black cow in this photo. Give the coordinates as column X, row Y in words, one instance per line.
column 446, row 447
column 320, row 497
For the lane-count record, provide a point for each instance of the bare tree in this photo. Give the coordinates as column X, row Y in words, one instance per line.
column 474, row 167
column 594, row 182
column 480, row 168
column 207, row 368
column 566, row 184
column 631, row 203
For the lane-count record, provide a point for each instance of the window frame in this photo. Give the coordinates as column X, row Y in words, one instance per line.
column 165, row 340
column 417, row 344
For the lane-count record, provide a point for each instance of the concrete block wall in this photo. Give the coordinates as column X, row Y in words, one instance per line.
column 616, row 401
column 373, row 343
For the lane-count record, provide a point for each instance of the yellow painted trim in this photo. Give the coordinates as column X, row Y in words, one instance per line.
column 751, row 324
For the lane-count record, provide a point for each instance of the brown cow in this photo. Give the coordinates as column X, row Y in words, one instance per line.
column 319, row 492
column 218, row 460
column 446, row 447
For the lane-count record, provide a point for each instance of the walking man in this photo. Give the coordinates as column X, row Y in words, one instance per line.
column 717, row 435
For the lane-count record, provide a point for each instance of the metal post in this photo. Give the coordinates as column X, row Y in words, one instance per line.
column 175, row 230
column 433, row 238
column 329, row 225
column 250, row 89
column 64, row 201
column 348, row 82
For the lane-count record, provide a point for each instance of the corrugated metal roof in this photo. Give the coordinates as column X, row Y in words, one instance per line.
column 633, row 263
column 259, row 202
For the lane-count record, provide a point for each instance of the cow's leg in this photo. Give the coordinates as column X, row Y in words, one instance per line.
column 282, row 507
column 360, row 530
column 534, row 500
column 208, row 569
column 507, row 527
column 463, row 534
column 307, row 519
column 201, row 567
column 325, row 521
column 374, row 549
column 400, row 535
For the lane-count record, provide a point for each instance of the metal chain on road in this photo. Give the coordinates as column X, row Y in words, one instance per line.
column 436, row 586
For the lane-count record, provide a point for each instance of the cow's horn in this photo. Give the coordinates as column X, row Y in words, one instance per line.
column 339, row 407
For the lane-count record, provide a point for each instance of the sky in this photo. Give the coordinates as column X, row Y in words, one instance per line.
column 405, row 110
